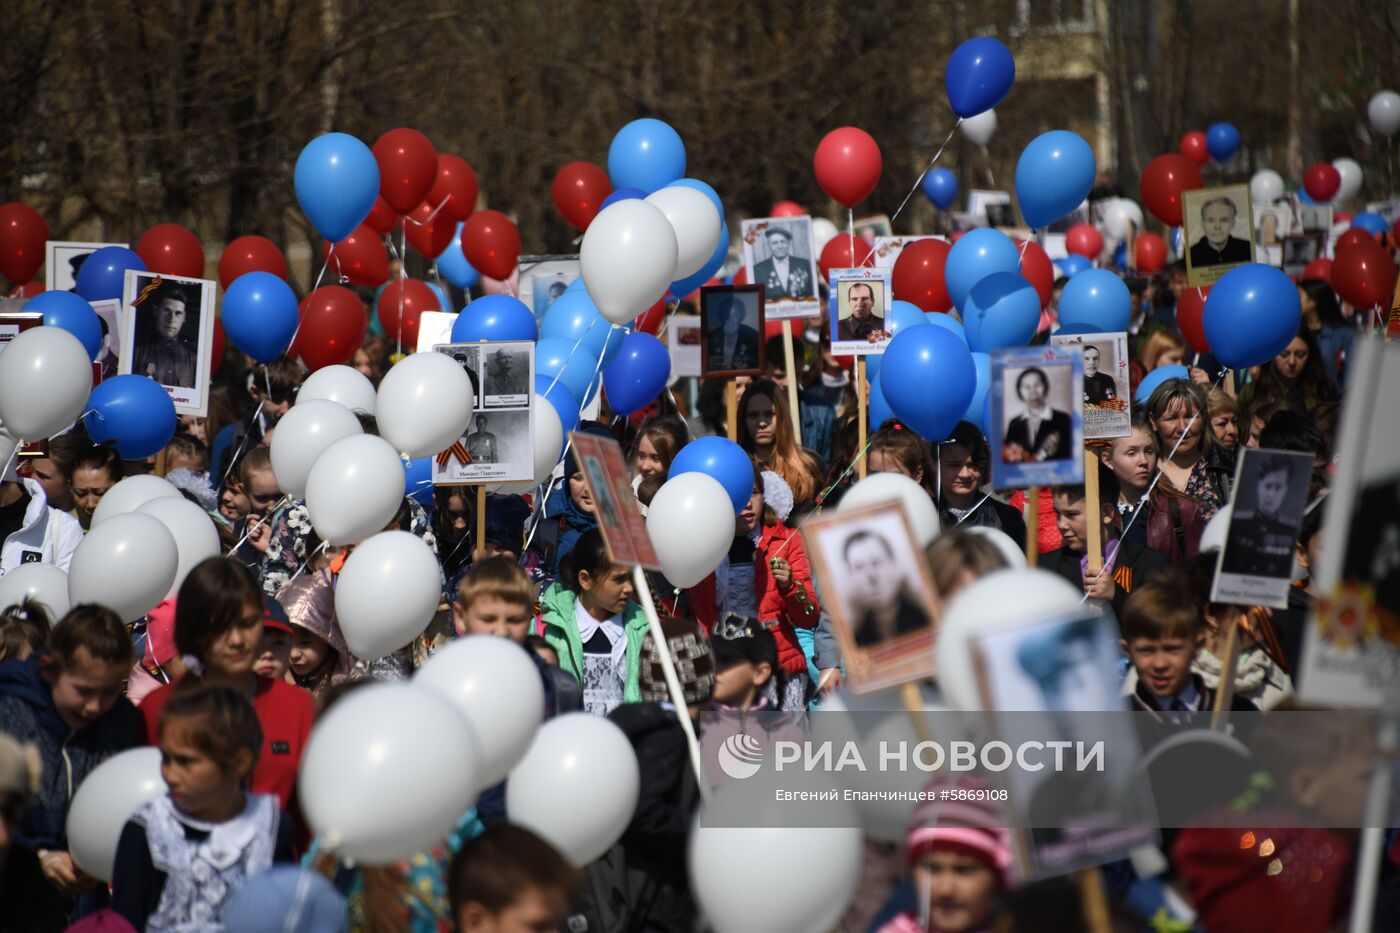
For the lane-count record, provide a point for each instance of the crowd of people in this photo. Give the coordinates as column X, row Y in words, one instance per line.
column 229, row 677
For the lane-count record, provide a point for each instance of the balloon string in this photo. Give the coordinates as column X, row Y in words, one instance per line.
column 918, row 181
column 987, row 158
column 320, row 275
column 319, row 548
column 666, row 318
column 242, row 445
column 432, row 214
column 851, row 232
column 403, row 276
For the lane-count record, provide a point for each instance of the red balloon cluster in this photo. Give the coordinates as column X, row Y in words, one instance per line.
column 455, row 189
column 1322, row 181
column 1150, row 253
column 836, row 254
column 787, row 209
column 399, row 318
column 1084, row 240
column 333, row 325
column 429, row 233
column 250, row 254
column 578, row 190
column 1193, row 145
column 408, row 167
column 848, row 165
column 1190, row 308
column 23, row 234
column 361, row 258
column 170, row 249
column 1162, row 183
column 918, row 275
column 1363, row 273
column 491, row 244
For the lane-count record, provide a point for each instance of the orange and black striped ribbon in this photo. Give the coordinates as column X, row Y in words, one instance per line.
column 457, row 451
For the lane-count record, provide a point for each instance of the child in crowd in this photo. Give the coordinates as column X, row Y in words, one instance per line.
column 495, row 598
column 318, row 656
column 568, row 512
column 273, row 388
column 264, row 495
column 183, row 855
column 24, row 628
column 509, row 879
column 274, row 651
column 964, row 467
column 746, row 657
column 186, row 452
column 661, row 439
column 1171, row 522
column 896, row 449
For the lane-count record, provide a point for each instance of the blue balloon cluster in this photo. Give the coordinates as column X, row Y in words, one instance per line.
column 563, row 402
column 570, row 364
column 67, row 311
column 1053, row 176
column 940, row 187
column 978, row 254
column 646, row 154
column 1002, row 310
column 132, row 413
column 574, row 317
column 493, row 318
column 1369, row 221
column 260, row 315
column 979, row 410
column 638, row 374
column 336, row 180
column 978, row 75
column 722, row 459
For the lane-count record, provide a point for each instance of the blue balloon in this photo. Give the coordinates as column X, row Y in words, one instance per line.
column 562, row 401
column 418, row 480
column 260, row 315
column 574, row 317
column 1251, row 314
column 1072, row 265
column 976, row 255
column 722, row 459
column 577, row 285
column 1077, row 328
column 495, row 317
column 454, row 266
column 901, row 316
column 67, row 311
column 1002, row 310
column 443, row 301
column 947, row 322
column 132, row 413
column 570, row 363
column 1120, row 257
column 978, row 76
column 1176, row 241
column 928, row 378
column 337, row 181
column 979, row 409
column 102, row 275
column 878, row 409
column 1053, row 176
column 940, row 187
column 1369, row 221
column 1152, row 380
column 266, row 900
column 1305, row 198
column 646, row 154
column 638, row 375
column 1222, row 139
column 623, row 194
column 1096, row 297
column 714, row 264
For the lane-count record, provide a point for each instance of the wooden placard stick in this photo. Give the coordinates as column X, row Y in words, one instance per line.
column 481, row 521
column 731, row 405
column 1094, row 901
column 1093, row 521
column 1225, row 690
column 790, row 362
column 1032, row 525
column 860, row 415
column 1394, row 317
column 160, row 462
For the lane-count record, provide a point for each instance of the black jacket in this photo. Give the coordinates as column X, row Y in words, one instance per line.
column 990, row 513
column 1052, row 437
column 1133, row 564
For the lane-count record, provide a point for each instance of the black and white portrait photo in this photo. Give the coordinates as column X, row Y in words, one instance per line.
column 1218, row 229
column 1256, row 565
column 1299, row 250
column 507, row 376
column 467, row 356
column 1315, row 217
column 1106, row 408
column 1037, row 416
column 63, row 259
column 860, row 299
column 780, row 255
column 109, row 357
column 732, row 319
column 873, row 227
column 498, row 444
column 169, row 325
column 1037, row 429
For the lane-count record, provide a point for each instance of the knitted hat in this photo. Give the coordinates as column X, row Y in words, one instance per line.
column 777, row 495
column 691, row 655
column 976, row 828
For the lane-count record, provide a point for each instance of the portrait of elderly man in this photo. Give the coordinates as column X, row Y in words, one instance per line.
column 1217, row 247
column 783, row 274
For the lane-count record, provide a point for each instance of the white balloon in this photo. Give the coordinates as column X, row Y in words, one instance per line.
column 127, row 564
column 1118, row 213
column 302, row 434
column 1000, row 601
column 1216, row 531
column 1015, row 557
column 1351, row 179
column 343, row 384
column 387, row 772
column 496, row 687
column 196, row 538
column 628, row 258
column 696, row 223
column 425, row 404
column 823, row 231
column 354, row 488
column 896, row 487
column 548, row 434
column 1266, row 187
column 45, row 379
column 129, row 494
column 577, row 785
column 691, row 523
column 387, row 593
column 105, row 801
column 1384, row 112
column 980, row 128
column 43, row 583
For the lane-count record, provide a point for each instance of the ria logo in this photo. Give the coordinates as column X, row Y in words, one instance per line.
column 740, row 756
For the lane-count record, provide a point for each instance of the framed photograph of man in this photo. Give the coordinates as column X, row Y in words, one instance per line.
column 1315, row 217
column 731, row 331
column 168, row 328
column 618, row 513
column 780, row 254
column 1255, row 567
column 1037, row 417
column 859, row 300
column 1301, row 249
column 878, row 590
column 544, row 279
column 1217, row 228
column 979, row 200
column 498, row 446
column 1107, row 404
column 63, row 259
column 873, row 227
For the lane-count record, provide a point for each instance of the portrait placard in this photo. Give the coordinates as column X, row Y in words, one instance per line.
column 1107, row 403
column 1217, row 231
column 873, row 227
column 168, row 335
column 499, row 447
column 1299, row 250
column 109, row 313
column 860, row 299
column 544, row 279
column 435, row 327
column 1255, row 568
column 616, row 509
column 731, row 331
column 683, row 342
column 63, row 259
column 780, row 254
column 1037, row 417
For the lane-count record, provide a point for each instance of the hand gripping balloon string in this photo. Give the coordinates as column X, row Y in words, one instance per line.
column 920, row 180
column 1142, row 500
column 261, row 521
column 319, row 548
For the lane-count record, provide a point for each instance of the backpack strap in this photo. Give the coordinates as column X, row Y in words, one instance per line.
column 1178, row 530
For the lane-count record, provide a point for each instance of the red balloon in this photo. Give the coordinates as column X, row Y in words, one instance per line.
column 250, row 254
column 836, row 254
column 1162, row 183
column 1193, row 145
column 1352, row 237
column 579, row 189
column 1341, row 217
column 23, row 234
column 1084, row 240
column 918, row 275
column 361, row 257
column 333, row 325
column 1319, row 269
column 216, row 347
column 1322, row 181
column 848, row 165
column 787, row 209
column 399, row 318
column 170, row 249
column 742, row 276
column 456, row 184
column 1150, row 250
column 381, row 217
column 649, row 321
column 1189, row 309
column 1037, row 269
column 408, row 167
column 27, row 290
column 1364, row 275
column 491, row 244
column 429, row 237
